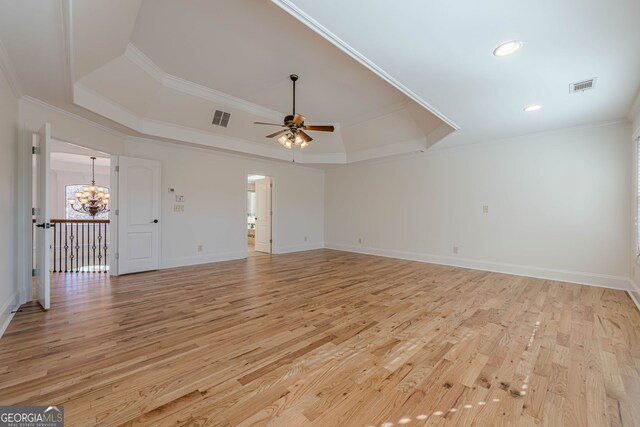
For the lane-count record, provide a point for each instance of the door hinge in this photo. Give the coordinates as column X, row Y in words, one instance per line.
column 117, row 255
column 271, row 185
column 35, row 150
column 34, row 272
column 35, row 211
column 117, row 168
column 117, row 212
column 270, row 240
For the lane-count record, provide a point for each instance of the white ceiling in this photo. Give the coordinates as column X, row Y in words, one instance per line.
column 76, row 154
column 249, row 48
column 186, row 59
column 73, row 158
column 442, row 52
column 160, row 68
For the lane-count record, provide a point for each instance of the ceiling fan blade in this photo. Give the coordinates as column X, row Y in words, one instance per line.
column 298, row 120
column 270, row 124
column 280, row 132
column 304, row 136
column 319, row 128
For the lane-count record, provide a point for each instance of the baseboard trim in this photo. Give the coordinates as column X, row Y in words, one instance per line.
column 299, row 248
column 6, row 314
column 230, row 256
column 591, row 279
column 634, row 293
column 202, row 259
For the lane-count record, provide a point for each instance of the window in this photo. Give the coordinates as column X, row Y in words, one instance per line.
column 70, row 213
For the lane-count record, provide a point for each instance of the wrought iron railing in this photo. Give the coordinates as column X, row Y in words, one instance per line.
column 80, row 245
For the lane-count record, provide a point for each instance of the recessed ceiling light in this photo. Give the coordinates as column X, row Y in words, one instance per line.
column 507, row 48
column 534, row 107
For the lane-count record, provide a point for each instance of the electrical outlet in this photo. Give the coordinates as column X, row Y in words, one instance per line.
column 199, row 248
column 485, row 209
column 455, row 250
column 178, row 208
column 180, row 199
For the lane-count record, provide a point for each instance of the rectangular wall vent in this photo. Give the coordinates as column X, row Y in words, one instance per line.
column 220, row 118
column 583, row 85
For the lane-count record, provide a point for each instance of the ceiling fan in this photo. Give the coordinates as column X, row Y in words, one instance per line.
column 294, row 132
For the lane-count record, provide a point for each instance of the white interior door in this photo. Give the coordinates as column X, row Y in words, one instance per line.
column 138, row 216
column 263, row 215
column 43, row 233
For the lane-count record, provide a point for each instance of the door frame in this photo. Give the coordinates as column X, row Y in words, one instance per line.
column 274, row 210
column 24, row 204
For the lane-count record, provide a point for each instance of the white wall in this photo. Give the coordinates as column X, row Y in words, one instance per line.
column 635, row 260
column 215, row 188
column 8, row 179
column 558, row 206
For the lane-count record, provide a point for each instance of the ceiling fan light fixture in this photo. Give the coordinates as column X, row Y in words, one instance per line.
column 283, row 139
column 294, row 126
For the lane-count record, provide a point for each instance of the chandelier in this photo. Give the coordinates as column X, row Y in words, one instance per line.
column 93, row 199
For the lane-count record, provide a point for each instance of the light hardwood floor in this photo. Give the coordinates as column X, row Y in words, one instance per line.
column 327, row 338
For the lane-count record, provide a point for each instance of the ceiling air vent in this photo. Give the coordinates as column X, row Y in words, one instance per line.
column 583, row 85
column 220, row 118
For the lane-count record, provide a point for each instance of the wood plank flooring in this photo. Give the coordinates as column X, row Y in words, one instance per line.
column 326, row 338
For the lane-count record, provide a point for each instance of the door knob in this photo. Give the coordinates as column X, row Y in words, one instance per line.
column 155, row 221
column 43, row 225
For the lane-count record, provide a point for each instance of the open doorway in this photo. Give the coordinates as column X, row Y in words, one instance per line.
column 56, row 244
column 79, row 237
column 259, row 213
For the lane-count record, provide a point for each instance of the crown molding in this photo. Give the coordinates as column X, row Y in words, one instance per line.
column 6, row 67
column 176, row 83
column 362, row 118
column 136, row 56
column 93, row 101
column 307, row 20
column 400, row 148
column 87, row 98
column 39, row 103
column 305, row 160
